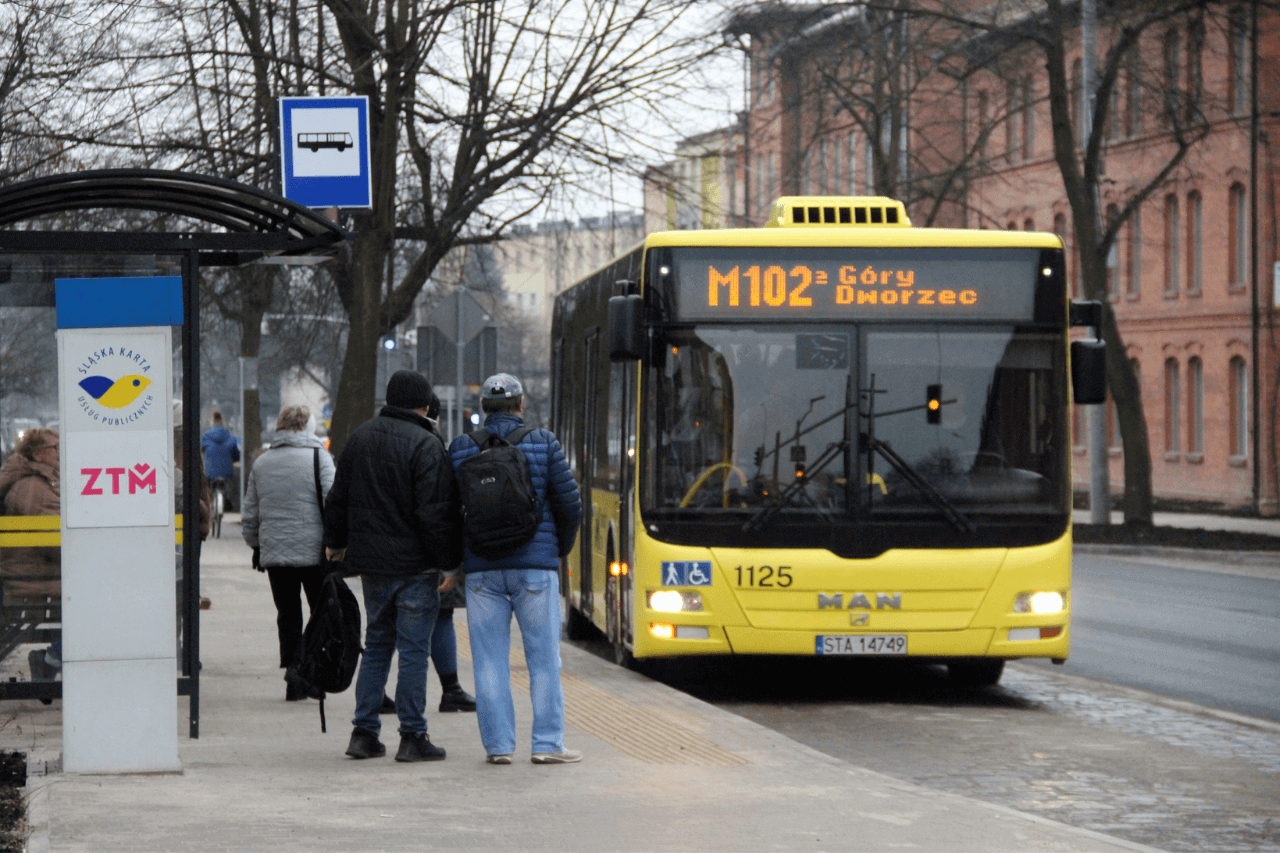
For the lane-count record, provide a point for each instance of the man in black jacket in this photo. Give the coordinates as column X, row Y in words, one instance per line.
column 394, row 507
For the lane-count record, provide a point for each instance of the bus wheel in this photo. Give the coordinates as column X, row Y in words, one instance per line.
column 981, row 672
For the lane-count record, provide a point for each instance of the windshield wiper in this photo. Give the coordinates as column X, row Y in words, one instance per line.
column 763, row 514
column 957, row 519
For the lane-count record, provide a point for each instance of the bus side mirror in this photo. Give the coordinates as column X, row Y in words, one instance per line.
column 1089, row 372
column 626, row 328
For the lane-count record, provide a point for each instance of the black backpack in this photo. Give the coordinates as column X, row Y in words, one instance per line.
column 330, row 649
column 500, row 510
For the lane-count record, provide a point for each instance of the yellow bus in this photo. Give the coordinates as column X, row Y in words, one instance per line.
column 834, row 435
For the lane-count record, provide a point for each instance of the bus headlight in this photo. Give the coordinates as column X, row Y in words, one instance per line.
column 1039, row 602
column 674, row 601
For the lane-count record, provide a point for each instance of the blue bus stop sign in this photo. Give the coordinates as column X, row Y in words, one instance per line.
column 325, row 147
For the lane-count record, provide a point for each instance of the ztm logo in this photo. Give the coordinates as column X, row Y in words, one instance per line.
column 141, row 476
column 115, row 393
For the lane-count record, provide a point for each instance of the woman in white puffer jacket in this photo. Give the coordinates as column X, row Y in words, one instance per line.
column 283, row 522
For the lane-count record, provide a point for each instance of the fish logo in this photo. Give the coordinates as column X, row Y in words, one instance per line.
column 118, row 393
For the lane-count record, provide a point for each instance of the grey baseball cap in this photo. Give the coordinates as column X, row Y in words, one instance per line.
column 501, row 386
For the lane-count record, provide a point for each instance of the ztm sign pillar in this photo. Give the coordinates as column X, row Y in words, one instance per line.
column 119, row 622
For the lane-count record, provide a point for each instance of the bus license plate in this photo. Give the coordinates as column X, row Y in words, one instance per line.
column 861, row 644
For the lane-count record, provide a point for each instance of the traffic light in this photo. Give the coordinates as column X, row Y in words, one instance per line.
column 933, row 405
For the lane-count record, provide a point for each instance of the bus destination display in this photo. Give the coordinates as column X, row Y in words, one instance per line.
column 899, row 284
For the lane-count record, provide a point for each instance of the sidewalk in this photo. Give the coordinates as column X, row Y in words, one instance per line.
column 663, row 771
column 1269, row 526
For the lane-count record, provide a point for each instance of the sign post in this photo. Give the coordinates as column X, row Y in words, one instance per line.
column 119, row 623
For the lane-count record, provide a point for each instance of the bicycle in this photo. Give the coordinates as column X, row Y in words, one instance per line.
column 218, row 487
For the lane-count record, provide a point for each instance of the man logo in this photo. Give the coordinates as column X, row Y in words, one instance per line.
column 860, row 601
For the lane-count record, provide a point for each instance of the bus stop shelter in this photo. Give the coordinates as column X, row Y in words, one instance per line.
column 148, row 223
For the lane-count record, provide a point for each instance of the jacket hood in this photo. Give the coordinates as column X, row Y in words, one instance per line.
column 220, row 435
column 291, row 438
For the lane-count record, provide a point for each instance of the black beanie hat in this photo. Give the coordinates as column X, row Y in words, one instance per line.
column 408, row 389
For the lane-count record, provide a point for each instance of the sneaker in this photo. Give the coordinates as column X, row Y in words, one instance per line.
column 457, row 699
column 418, row 748
column 564, row 756
column 365, row 744
column 499, row 759
column 388, row 705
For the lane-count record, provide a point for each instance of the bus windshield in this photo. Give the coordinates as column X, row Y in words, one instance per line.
column 762, row 425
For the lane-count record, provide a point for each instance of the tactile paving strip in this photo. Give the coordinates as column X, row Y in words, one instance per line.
column 626, row 727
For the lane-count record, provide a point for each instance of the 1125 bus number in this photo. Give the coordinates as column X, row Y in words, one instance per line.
column 764, row 576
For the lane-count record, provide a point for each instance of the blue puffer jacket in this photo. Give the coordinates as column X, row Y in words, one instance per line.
column 556, row 489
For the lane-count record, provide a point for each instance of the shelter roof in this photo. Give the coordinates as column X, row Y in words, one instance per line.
column 256, row 223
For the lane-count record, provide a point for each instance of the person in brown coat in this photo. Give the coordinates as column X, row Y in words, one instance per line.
column 33, row 575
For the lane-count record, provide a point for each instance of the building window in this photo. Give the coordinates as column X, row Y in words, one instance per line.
column 1195, row 406
column 1113, row 431
column 1133, row 257
column 1011, row 91
column 984, row 129
column 1237, row 63
column 1238, row 382
column 1028, row 117
column 1172, row 406
column 851, row 163
column 1172, row 68
column 1236, row 237
column 1113, row 254
column 822, row 167
column 836, row 149
column 1171, row 250
column 1077, row 83
column 1195, row 69
column 869, row 182
column 1133, row 111
column 1195, row 233
column 1077, row 428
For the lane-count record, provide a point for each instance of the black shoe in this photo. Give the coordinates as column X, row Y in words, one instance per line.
column 365, row 744
column 388, row 705
column 457, row 699
column 418, row 748
column 294, row 694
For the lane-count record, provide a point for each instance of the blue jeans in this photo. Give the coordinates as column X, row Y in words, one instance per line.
column 533, row 595
column 402, row 615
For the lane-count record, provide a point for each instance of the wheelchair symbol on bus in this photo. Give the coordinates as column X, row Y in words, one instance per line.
column 686, row 573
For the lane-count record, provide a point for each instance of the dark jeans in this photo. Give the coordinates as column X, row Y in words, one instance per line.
column 287, row 585
column 444, row 644
column 402, row 616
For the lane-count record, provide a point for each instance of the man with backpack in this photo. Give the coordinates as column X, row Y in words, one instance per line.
column 520, row 516
column 394, row 508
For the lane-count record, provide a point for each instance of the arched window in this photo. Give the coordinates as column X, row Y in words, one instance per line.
column 1171, row 251
column 1172, row 406
column 1028, row 225
column 1195, row 405
column 1195, row 229
column 1238, row 385
column 1236, row 237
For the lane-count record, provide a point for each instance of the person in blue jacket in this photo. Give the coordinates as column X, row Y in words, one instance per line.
column 526, row 584
column 221, row 453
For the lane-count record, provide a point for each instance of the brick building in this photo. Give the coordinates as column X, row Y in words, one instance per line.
column 964, row 136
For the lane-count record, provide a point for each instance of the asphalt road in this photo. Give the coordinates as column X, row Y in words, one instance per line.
column 1185, row 628
column 1073, row 743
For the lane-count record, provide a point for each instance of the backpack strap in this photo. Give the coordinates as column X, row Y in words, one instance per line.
column 517, row 435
